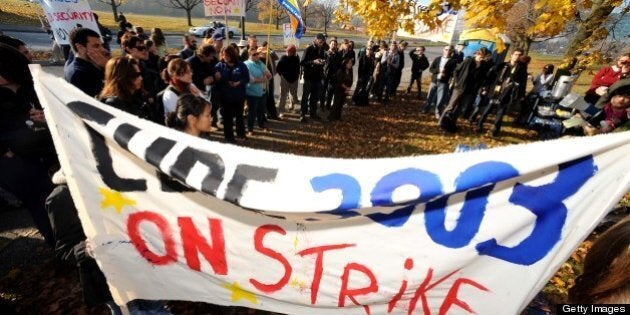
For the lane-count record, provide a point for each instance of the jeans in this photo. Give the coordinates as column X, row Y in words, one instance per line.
column 256, row 111
column 438, row 92
column 287, row 87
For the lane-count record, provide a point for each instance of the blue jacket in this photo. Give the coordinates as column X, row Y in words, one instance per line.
column 238, row 72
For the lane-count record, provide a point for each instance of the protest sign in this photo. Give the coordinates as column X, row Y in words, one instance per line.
column 171, row 216
column 224, row 7
column 64, row 16
column 289, row 35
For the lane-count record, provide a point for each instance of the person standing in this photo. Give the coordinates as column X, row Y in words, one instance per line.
column 401, row 56
column 419, row 63
column 367, row 63
column 190, row 45
column 333, row 64
column 343, row 84
column 26, row 149
column 123, row 86
column 259, row 75
column 313, row 62
column 85, row 71
column 157, row 36
column 509, row 86
column 289, row 70
column 469, row 76
column 441, row 72
column 270, row 101
column 232, row 76
column 393, row 64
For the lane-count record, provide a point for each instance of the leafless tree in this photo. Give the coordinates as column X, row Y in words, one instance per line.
column 114, row 4
column 187, row 5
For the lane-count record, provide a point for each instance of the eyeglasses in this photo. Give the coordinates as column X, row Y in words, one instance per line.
column 141, row 48
column 255, row 54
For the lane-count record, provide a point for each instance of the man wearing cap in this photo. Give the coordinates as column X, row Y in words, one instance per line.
column 313, row 62
column 217, row 39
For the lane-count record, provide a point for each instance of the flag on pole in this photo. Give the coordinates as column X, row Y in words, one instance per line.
column 294, row 15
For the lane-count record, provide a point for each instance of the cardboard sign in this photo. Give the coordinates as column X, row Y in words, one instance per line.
column 224, row 7
column 64, row 16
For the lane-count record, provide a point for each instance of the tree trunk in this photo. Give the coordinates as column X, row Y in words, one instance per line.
column 325, row 24
column 242, row 27
column 527, row 44
column 188, row 15
column 600, row 11
column 115, row 10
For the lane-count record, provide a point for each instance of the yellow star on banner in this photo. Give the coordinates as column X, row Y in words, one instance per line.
column 112, row 198
column 238, row 293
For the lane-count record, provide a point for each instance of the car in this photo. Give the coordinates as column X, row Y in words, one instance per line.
column 201, row 31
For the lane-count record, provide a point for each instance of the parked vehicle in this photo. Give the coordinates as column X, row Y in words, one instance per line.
column 201, row 31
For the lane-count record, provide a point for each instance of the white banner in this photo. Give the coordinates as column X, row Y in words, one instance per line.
column 224, row 7
column 475, row 232
column 289, row 35
column 64, row 16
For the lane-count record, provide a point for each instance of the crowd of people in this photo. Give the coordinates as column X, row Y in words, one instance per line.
column 208, row 86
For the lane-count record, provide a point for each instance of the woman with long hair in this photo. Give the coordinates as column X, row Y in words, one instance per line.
column 178, row 74
column 606, row 276
column 343, row 84
column 123, row 86
column 160, row 41
column 232, row 76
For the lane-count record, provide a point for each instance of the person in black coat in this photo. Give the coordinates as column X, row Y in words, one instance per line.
column 469, row 76
column 123, row 86
column 289, row 70
column 27, row 153
column 333, row 64
column 419, row 63
column 313, row 62
column 367, row 64
column 509, row 83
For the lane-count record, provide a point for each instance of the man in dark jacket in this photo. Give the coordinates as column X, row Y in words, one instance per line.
column 510, row 80
column 289, row 70
column 419, row 63
column 333, row 63
column 313, row 62
column 441, row 69
column 85, row 71
column 469, row 76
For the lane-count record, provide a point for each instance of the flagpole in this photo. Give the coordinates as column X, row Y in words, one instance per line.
column 269, row 33
column 226, row 30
